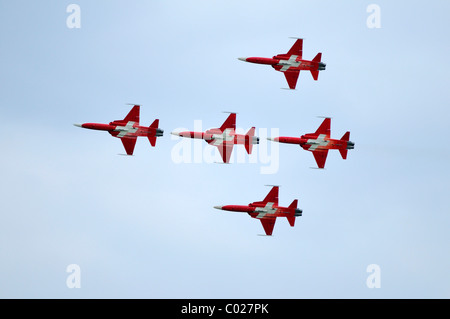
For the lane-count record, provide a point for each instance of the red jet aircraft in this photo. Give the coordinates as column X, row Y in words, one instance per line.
column 128, row 129
column 225, row 137
column 267, row 210
column 320, row 142
column 292, row 63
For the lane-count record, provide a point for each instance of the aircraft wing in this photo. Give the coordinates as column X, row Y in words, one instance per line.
column 297, row 48
column 129, row 143
column 272, row 196
column 225, row 150
column 133, row 115
column 291, row 77
column 229, row 123
column 321, row 157
column 268, row 223
column 325, row 127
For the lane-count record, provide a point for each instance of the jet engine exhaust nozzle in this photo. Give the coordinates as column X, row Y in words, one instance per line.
column 298, row 212
column 350, row 145
column 322, row 66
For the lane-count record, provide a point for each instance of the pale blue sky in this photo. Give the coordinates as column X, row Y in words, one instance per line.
column 145, row 227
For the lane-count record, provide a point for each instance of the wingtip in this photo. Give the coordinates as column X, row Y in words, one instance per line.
column 324, row 117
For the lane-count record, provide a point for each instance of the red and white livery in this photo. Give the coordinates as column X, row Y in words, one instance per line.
column 291, row 63
column 267, row 210
column 320, row 142
column 225, row 137
column 128, row 129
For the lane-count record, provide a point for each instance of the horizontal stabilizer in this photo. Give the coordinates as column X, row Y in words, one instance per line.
column 343, row 153
column 315, row 73
column 153, row 128
column 291, row 216
column 155, row 124
column 291, row 220
column 152, row 140
column 346, row 137
column 294, row 204
column 318, row 57
column 249, row 140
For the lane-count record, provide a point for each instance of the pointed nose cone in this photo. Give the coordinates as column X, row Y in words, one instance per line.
column 243, row 59
column 175, row 133
column 79, row 125
column 218, row 207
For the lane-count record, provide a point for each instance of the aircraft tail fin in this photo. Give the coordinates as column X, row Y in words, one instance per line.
column 318, row 57
column 345, row 138
column 291, row 216
column 250, row 140
column 153, row 129
column 315, row 74
column 293, row 204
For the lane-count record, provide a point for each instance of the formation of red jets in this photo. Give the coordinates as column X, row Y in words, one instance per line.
column 225, row 137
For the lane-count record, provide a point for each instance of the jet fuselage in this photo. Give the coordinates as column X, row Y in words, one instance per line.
column 217, row 137
column 283, row 62
column 121, row 129
column 255, row 209
column 312, row 142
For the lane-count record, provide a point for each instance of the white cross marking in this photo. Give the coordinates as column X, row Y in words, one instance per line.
column 268, row 209
column 124, row 130
column 226, row 136
column 289, row 63
column 315, row 143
